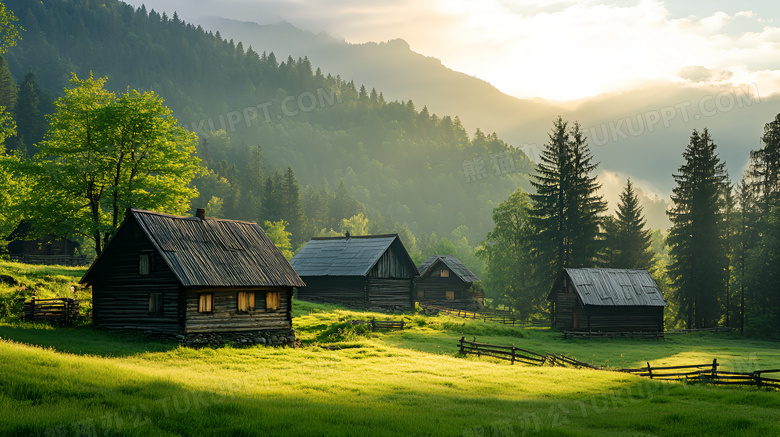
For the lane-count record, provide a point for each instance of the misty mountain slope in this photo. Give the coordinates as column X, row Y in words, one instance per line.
column 640, row 133
column 397, row 71
column 403, row 162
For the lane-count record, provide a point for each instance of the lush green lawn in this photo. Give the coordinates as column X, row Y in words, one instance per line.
column 72, row 381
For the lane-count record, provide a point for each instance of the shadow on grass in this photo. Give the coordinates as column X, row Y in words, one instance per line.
column 82, row 340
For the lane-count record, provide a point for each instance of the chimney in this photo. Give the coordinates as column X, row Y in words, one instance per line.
column 201, row 213
column 347, row 235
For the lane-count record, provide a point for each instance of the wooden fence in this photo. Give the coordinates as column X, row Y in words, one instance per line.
column 393, row 325
column 59, row 310
column 707, row 374
column 600, row 334
column 696, row 373
column 485, row 315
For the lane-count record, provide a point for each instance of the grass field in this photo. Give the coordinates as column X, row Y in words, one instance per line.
column 82, row 381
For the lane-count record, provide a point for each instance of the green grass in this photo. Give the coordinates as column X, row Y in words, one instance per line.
column 68, row 381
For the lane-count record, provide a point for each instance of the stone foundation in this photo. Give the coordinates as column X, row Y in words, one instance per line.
column 279, row 337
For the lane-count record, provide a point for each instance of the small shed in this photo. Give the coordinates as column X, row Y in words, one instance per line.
column 445, row 281
column 373, row 272
column 47, row 249
column 187, row 275
column 617, row 300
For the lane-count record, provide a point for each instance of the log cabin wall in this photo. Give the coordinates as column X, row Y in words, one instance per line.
column 390, row 294
column 120, row 294
column 393, row 264
column 225, row 316
column 346, row 290
column 623, row 318
column 564, row 305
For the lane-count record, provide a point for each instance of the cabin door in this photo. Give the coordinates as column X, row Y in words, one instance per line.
column 576, row 319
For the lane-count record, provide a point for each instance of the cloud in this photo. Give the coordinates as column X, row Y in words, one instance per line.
column 697, row 73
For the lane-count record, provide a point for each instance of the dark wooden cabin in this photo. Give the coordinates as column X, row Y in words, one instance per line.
column 616, row 300
column 445, row 281
column 185, row 275
column 373, row 272
column 24, row 247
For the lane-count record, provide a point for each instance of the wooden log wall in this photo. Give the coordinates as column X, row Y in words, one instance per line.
column 622, row 318
column 226, row 318
column 393, row 264
column 564, row 308
column 59, row 260
column 435, row 290
column 390, row 294
column 349, row 291
column 120, row 295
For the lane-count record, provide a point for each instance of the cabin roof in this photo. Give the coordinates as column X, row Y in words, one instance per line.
column 615, row 287
column 211, row 252
column 452, row 263
column 345, row 256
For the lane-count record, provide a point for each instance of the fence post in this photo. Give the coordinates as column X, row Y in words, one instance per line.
column 513, row 353
column 461, row 345
column 649, row 370
column 714, row 368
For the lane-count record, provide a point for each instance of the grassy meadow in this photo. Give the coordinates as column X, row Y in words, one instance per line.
column 344, row 381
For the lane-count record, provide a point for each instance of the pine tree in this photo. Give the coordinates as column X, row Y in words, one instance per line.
column 8, row 90
column 292, row 211
column 566, row 204
column 271, row 208
column 30, row 121
column 696, row 238
column 627, row 241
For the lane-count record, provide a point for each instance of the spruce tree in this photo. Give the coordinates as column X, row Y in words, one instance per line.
column 566, row 204
column 696, row 238
column 627, row 241
column 31, row 124
column 292, row 211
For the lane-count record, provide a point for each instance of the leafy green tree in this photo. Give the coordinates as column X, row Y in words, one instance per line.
column 355, row 225
column 279, row 236
column 105, row 153
column 12, row 188
column 627, row 241
column 511, row 275
column 566, row 207
column 696, row 239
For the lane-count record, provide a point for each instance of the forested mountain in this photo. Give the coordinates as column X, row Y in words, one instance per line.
column 404, row 163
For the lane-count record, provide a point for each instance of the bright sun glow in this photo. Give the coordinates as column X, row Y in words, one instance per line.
column 561, row 50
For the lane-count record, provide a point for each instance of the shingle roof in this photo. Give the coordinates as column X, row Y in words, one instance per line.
column 341, row 256
column 214, row 252
column 616, row 287
column 452, row 263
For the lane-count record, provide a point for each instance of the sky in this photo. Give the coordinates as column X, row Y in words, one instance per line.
column 551, row 49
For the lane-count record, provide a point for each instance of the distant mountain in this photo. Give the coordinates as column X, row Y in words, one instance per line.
column 641, row 133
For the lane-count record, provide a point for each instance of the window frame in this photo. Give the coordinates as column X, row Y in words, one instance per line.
column 209, row 298
column 270, row 296
column 149, row 257
column 156, row 306
column 420, row 294
column 449, row 295
column 444, row 273
column 250, row 301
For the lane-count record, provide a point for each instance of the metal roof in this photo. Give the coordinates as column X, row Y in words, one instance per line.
column 452, row 263
column 342, row 256
column 213, row 252
column 616, row 287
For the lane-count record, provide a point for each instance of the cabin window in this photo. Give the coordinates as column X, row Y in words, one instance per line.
column 272, row 301
column 144, row 263
column 155, row 303
column 445, row 273
column 246, row 301
column 450, row 295
column 420, row 294
column 206, row 303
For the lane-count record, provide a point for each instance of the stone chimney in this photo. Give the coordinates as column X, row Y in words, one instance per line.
column 201, row 213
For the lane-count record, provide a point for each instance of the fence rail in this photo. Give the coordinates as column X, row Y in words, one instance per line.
column 707, row 373
column 58, row 310
column 393, row 325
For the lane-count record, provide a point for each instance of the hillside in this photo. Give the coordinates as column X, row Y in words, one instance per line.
column 402, row 161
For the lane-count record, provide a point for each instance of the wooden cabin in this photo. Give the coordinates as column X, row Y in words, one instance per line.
column 373, row 272
column 187, row 275
column 445, row 281
column 24, row 247
column 617, row 300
